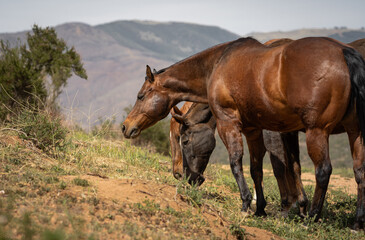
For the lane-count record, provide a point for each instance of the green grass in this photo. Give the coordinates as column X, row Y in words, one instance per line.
column 48, row 197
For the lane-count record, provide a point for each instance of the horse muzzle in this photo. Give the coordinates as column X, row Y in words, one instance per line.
column 195, row 179
column 130, row 132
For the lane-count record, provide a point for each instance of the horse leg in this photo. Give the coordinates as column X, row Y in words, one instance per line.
column 358, row 155
column 232, row 139
column 293, row 171
column 257, row 150
column 317, row 145
column 274, row 145
column 279, row 170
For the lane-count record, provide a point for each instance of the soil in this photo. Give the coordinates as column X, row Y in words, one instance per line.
column 347, row 185
column 137, row 191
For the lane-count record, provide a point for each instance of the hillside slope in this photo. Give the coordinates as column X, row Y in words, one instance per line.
column 106, row 189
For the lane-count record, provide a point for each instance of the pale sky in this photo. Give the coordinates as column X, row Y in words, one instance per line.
column 238, row 16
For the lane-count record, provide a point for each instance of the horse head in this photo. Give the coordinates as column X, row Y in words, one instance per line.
column 197, row 141
column 153, row 104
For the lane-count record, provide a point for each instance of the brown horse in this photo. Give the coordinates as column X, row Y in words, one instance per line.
column 311, row 83
column 191, row 155
column 192, row 141
column 283, row 148
column 176, row 154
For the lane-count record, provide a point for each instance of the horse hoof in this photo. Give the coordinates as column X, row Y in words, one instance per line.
column 359, row 225
column 246, row 212
column 314, row 214
column 260, row 214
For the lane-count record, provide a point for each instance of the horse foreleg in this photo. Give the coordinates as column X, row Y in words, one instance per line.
column 257, row 150
column 232, row 139
column 317, row 145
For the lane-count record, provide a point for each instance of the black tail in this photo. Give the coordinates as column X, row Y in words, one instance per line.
column 356, row 65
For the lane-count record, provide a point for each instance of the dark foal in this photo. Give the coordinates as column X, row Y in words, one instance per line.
column 313, row 84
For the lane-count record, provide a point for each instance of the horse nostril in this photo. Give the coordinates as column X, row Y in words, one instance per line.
column 134, row 131
column 177, row 175
column 123, row 128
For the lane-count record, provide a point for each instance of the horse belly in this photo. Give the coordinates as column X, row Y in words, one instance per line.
column 272, row 118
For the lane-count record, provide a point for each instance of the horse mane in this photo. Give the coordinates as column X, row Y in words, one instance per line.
column 195, row 56
column 160, row 71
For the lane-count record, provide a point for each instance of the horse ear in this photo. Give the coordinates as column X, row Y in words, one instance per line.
column 176, row 110
column 179, row 118
column 149, row 75
column 154, row 71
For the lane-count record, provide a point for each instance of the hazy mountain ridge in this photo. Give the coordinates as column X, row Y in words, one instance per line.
column 341, row 34
column 115, row 55
column 171, row 41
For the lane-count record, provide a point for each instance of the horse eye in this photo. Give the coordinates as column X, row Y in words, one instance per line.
column 140, row 97
column 185, row 142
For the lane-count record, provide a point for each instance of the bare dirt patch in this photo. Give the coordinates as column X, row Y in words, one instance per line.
column 346, row 185
column 133, row 191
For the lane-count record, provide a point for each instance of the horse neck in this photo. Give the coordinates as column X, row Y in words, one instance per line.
column 188, row 78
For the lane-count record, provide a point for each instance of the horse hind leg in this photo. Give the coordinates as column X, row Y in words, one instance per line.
column 279, row 170
column 317, row 145
column 284, row 156
column 276, row 150
column 293, row 170
column 358, row 155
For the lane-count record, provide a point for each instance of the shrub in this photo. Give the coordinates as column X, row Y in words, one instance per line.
column 36, row 71
column 105, row 129
column 44, row 130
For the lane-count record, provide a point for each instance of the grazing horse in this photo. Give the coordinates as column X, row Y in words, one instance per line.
column 313, row 84
column 192, row 141
column 195, row 126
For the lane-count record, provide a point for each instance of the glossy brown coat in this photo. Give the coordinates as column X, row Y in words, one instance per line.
column 304, row 84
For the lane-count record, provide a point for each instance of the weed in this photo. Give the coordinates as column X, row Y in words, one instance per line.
column 46, row 132
column 148, row 207
column 81, row 182
column 193, row 194
column 237, row 231
column 62, row 185
column 57, row 234
column 28, row 231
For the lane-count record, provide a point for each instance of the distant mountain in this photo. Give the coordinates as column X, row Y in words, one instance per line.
column 170, row 41
column 342, row 34
column 115, row 56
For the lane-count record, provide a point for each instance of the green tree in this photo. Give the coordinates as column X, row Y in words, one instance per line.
column 36, row 71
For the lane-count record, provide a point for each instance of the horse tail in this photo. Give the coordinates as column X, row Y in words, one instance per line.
column 356, row 66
